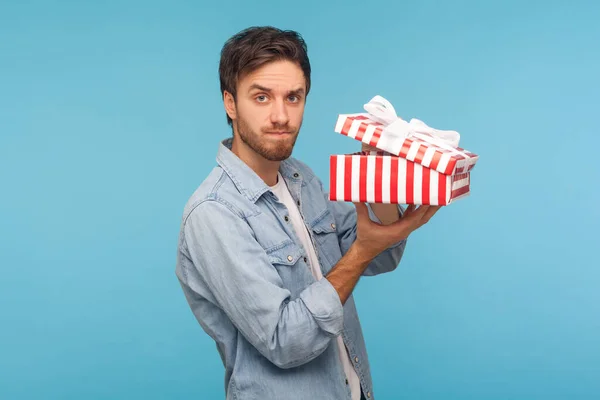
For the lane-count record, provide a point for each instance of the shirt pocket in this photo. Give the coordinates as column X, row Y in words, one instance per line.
column 326, row 237
column 285, row 253
column 288, row 259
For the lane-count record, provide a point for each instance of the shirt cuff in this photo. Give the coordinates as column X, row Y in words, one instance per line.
column 323, row 302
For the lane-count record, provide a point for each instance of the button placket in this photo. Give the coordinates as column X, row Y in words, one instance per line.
column 312, row 239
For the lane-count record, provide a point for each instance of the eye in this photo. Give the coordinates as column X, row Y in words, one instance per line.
column 261, row 98
column 294, row 99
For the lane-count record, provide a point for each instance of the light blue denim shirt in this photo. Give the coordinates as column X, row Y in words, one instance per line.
column 245, row 276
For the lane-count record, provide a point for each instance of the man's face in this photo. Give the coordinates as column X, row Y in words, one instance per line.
column 269, row 108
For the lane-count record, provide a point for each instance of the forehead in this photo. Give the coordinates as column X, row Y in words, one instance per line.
column 276, row 75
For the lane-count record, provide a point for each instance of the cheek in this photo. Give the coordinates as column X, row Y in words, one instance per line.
column 296, row 116
column 252, row 118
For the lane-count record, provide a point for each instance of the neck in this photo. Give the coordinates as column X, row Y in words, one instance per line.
column 265, row 169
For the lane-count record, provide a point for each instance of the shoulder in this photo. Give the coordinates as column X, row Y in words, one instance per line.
column 217, row 193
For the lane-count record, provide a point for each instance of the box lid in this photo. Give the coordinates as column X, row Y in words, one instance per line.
column 414, row 140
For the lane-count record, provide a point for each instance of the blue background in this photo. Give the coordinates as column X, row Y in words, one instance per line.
column 110, row 117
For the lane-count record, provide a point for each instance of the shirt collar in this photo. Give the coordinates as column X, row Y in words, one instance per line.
column 245, row 179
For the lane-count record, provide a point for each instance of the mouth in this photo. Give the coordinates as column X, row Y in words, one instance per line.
column 278, row 133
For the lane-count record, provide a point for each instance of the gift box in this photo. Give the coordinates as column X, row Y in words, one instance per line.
column 414, row 164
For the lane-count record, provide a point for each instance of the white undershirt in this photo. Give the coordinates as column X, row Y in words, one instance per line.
column 281, row 191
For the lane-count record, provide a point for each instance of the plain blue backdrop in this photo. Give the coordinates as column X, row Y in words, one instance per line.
column 110, row 117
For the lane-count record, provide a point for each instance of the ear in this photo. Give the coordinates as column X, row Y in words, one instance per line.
column 229, row 103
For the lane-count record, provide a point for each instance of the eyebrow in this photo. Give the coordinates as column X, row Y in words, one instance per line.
column 256, row 86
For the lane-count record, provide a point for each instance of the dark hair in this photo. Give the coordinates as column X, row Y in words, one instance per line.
column 256, row 46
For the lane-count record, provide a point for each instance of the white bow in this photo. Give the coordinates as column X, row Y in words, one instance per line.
column 397, row 130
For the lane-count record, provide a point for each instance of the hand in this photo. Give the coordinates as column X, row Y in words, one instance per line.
column 373, row 238
column 368, row 147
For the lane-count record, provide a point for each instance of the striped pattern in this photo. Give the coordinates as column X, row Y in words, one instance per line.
column 377, row 177
column 360, row 127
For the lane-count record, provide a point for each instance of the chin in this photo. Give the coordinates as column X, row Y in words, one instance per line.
column 279, row 154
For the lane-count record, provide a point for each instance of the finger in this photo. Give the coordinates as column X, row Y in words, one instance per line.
column 421, row 211
column 409, row 210
column 431, row 210
column 412, row 214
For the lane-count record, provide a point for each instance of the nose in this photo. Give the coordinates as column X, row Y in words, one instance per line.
column 279, row 113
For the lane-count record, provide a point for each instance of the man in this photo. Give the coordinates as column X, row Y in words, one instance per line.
column 266, row 262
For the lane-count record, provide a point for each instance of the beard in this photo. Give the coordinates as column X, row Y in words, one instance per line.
column 276, row 150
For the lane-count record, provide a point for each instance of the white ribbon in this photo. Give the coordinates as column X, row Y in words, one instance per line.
column 396, row 128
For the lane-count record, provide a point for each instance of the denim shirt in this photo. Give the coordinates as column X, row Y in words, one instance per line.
column 245, row 276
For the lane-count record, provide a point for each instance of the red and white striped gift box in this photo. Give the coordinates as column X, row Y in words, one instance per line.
column 418, row 164
column 378, row 177
column 448, row 161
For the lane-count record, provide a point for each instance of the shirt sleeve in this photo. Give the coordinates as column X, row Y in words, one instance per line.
column 246, row 286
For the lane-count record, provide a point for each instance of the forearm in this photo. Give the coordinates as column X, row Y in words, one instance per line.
column 304, row 328
column 344, row 276
column 315, row 313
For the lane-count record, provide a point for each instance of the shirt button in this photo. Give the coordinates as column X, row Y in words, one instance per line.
column 332, row 226
column 296, row 175
column 287, row 218
column 346, row 381
column 290, row 258
column 356, row 359
column 369, row 394
column 298, row 202
column 305, row 259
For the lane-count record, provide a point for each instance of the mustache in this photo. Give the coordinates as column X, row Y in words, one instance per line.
column 275, row 127
column 280, row 128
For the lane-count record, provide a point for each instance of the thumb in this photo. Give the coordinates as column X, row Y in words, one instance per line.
column 361, row 210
